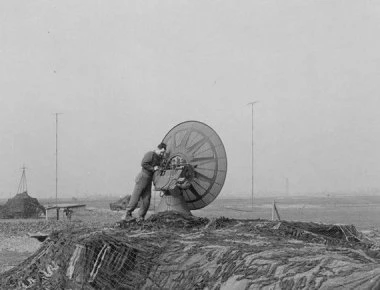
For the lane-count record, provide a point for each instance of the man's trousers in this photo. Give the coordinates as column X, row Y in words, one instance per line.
column 143, row 190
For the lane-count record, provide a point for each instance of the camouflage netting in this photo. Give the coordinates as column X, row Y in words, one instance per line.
column 171, row 251
column 22, row 206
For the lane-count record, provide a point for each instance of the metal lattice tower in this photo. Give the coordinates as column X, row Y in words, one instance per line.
column 22, row 186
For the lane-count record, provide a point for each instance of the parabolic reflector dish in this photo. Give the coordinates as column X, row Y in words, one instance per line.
column 201, row 147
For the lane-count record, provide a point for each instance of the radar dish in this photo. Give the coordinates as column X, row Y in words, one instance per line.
column 201, row 147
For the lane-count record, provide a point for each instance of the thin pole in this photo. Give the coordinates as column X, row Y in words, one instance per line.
column 275, row 211
column 253, row 153
column 56, row 164
column 253, row 158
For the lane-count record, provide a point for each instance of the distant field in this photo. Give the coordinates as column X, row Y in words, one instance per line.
column 361, row 211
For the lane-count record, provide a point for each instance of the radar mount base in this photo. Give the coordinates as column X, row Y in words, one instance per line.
column 173, row 202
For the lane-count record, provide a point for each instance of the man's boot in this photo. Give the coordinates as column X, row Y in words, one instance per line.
column 127, row 216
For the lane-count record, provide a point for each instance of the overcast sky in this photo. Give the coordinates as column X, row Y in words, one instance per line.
column 123, row 73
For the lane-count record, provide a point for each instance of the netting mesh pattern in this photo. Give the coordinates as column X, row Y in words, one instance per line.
column 77, row 260
column 106, row 262
column 171, row 251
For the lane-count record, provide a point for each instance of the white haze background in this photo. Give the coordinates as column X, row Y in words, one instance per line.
column 123, row 73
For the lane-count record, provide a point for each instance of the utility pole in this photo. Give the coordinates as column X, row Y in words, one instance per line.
column 253, row 158
column 56, row 163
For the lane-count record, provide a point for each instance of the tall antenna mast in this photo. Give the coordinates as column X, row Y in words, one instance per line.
column 253, row 183
column 56, row 163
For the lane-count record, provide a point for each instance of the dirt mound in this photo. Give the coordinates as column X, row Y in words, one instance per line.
column 173, row 251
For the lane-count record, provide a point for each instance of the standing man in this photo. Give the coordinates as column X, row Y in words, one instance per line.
column 143, row 187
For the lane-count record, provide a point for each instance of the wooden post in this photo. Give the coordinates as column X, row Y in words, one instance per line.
column 275, row 211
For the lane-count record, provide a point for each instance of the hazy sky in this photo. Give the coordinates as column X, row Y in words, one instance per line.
column 123, row 73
